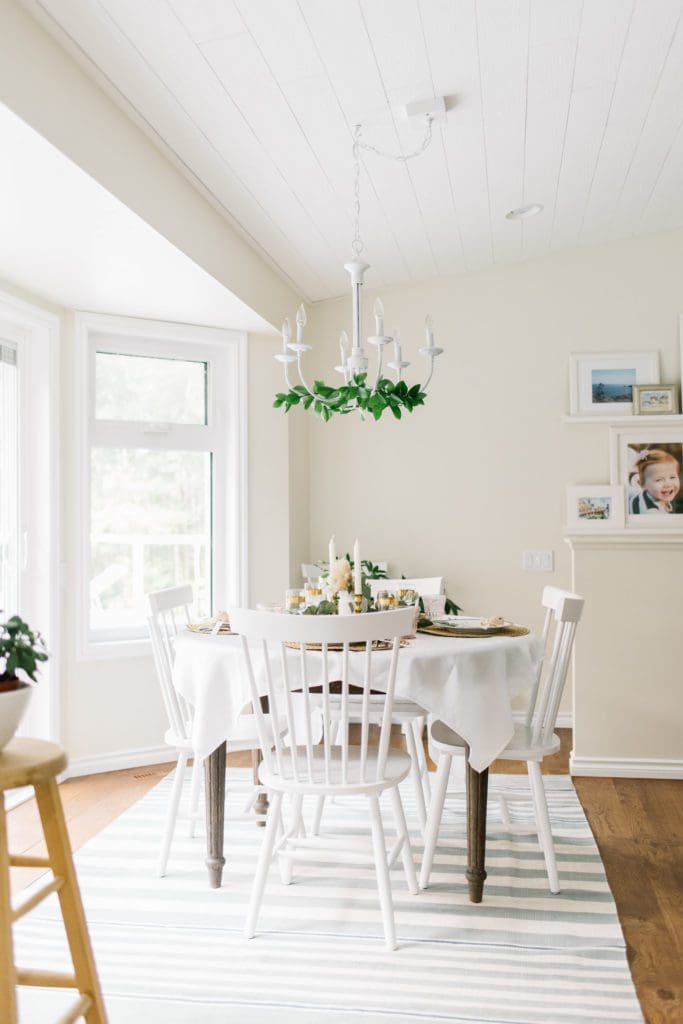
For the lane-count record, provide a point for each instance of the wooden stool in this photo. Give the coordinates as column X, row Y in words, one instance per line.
column 26, row 762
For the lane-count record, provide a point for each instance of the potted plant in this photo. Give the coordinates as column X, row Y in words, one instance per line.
column 21, row 651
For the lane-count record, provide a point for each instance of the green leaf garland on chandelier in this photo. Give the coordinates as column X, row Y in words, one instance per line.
column 391, row 395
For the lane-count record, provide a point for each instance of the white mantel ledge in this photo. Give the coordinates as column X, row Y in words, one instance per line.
column 623, row 538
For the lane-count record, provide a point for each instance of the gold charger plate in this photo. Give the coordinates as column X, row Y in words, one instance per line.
column 207, row 628
column 506, row 631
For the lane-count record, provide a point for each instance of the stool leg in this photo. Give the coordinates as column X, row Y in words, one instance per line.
column 61, row 862
column 8, row 977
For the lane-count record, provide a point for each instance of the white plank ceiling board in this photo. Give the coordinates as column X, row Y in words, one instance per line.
column 452, row 46
column 575, row 104
column 503, row 31
column 659, row 133
column 552, row 50
column 645, row 55
column 604, row 28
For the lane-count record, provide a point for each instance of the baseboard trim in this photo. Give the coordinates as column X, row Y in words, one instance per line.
column 565, row 719
column 626, row 768
column 116, row 762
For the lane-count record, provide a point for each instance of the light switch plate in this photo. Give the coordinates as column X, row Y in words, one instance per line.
column 538, row 561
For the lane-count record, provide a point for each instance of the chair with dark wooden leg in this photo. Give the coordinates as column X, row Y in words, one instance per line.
column 26, row 762
column 531, row 742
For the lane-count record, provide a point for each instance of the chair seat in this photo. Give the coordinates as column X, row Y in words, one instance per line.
column 403, row 711
column 519, row 748
column 398, row 765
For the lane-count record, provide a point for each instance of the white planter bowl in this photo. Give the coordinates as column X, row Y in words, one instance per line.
column 13, row 704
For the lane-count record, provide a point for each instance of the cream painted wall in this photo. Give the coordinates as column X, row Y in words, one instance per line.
column 478, row 475
column 627, row 686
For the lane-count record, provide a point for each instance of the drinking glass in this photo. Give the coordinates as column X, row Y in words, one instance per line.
column 294, row 600
column 434, row 605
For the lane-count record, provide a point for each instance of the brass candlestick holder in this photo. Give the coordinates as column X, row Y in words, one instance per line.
column 357, row 603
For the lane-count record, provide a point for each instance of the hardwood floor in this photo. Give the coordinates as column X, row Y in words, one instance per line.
column 638, row 825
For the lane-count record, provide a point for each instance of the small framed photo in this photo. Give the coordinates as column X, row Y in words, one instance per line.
column 648, row 463
column 655, row 399
column 602, row 384
column 595, row 507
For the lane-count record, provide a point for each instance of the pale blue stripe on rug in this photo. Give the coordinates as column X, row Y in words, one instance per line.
column 172, row 950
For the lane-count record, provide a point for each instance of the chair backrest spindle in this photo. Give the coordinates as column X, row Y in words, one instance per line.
column 169, row 613
column 563, row 613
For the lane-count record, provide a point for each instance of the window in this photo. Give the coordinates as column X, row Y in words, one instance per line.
column 163, row 471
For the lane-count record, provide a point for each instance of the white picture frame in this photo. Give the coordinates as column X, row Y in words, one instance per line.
column 595, row 507
column 634, row 468
column 596, row 377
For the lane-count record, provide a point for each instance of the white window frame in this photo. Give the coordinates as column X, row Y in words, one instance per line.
column 36, row 333
column 224, row 435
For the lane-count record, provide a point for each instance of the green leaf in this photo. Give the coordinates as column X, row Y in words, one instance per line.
column 396, row 411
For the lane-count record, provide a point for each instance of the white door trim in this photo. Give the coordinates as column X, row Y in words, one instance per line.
column 38, row 360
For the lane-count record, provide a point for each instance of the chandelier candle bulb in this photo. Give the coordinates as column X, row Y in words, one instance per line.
column 331, row 552
column 429, row 331
column 286, row 335
column 378, row 310
column 300, row 323
column 357, row 578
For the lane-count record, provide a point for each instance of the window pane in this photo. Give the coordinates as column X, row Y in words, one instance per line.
column 146, row 389
column 150, row 529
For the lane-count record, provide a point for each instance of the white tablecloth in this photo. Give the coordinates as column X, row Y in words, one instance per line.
column 467, row 683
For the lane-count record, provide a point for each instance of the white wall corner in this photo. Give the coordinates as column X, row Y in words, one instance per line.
column 626, row 767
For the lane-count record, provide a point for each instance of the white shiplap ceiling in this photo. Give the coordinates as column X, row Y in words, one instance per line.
column 575, row 104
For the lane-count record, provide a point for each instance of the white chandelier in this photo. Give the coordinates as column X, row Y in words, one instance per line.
column 355, row 393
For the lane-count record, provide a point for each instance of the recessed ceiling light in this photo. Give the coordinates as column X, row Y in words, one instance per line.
column 522, row 212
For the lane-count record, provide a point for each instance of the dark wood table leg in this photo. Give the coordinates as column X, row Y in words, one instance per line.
column 477, row 796
column 261, row 805
column 214, row 778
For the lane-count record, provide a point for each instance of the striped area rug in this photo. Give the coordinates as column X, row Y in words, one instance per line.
column 171, row 950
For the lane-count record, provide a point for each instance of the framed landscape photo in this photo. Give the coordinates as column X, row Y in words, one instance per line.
column 602, row 384
column 595, row 507
column 655, row 399
column 647, row 463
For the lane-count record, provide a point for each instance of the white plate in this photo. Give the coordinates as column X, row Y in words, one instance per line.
column 468, row 624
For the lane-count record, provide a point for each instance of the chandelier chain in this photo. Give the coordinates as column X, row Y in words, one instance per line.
column 358, row 144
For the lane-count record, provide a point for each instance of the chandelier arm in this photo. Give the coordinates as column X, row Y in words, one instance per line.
column 430, row 374
column 317, row 398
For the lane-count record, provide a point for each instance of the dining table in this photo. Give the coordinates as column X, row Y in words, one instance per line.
column 467, row 682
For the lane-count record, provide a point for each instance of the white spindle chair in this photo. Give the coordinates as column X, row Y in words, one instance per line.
column 532, row 741
column 169, row 614
column 329, row 768
column 409, row 715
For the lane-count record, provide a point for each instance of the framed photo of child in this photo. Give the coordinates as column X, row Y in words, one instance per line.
column 648, row 463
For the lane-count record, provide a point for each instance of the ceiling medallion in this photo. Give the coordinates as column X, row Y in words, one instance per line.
column 356, row 393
